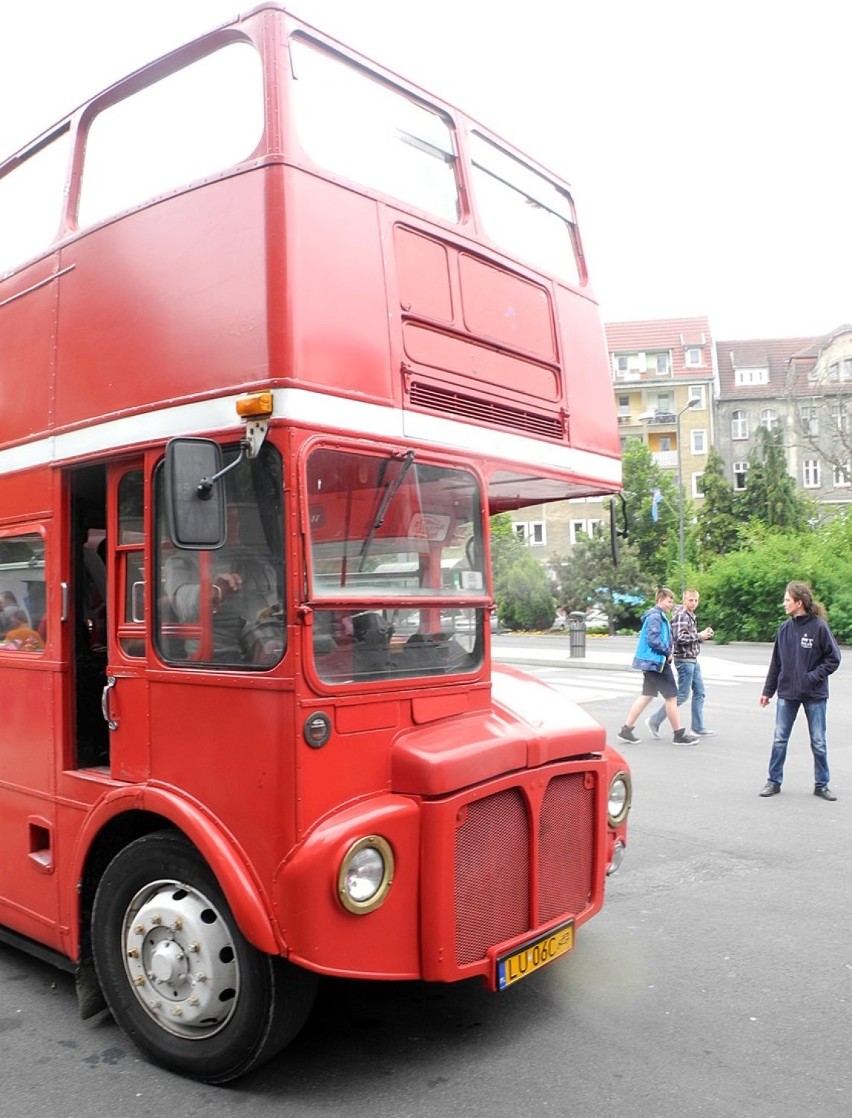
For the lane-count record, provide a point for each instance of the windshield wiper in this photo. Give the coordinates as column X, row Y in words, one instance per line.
column 390, row 492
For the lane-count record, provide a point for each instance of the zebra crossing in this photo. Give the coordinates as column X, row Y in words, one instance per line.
column 587, row 685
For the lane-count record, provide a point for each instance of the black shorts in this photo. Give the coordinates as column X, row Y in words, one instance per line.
column 660, row 683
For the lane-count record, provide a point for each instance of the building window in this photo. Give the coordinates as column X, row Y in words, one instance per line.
column 769, row 419
column 841, row 476
column 692, row 357
column 810, row 473
column 740, row 473
column 664, row 403
column 621, row 365
column 698, row 440
column 846, row 369
column 838, row 415
column 739, row 425
column 697, row 486
column 531, row 532
column 623, row 407
column 663, row 365
column 696, row 392
column 577, row 528
column 833, row 371
column 810, row 422
column 746, row 376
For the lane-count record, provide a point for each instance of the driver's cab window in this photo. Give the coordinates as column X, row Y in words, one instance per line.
column 224, row 606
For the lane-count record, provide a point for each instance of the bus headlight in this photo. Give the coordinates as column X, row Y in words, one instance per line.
column 618, row 801
column 366, row 874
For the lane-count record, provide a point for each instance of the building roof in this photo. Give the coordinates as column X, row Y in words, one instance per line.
column 774, row 354
column 789, row 361
column 674, row 335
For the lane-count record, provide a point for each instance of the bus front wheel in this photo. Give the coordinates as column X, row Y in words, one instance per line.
column 178, row 976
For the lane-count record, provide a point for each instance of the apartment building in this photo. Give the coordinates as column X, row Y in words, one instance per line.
column 802, row 386
column 681, row 393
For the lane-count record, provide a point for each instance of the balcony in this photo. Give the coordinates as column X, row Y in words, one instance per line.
column 665, row 459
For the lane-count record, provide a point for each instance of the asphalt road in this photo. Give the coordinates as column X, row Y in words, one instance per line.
column 716, row 982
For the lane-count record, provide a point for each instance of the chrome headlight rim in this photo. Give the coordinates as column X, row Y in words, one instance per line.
column 379, row 895
column 617, row 818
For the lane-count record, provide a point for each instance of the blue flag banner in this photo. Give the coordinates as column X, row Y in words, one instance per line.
column 655, row 505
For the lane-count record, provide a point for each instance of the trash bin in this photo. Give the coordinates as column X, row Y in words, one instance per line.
column 577, row 632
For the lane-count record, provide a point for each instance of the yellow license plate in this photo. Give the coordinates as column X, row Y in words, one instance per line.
column 533, row 956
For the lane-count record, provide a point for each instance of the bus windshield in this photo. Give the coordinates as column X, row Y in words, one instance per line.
column 400, row 543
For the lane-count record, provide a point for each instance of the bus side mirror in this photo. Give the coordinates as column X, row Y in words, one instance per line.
column 195, row 501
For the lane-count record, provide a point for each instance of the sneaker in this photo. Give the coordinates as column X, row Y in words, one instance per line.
column 653, row 730
column 772, row 789
column 824, row 792
column 705, row 733
column 682, row 737
column 626, row 734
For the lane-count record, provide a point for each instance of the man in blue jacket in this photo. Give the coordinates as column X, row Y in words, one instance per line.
column 804, row 655
column 653, row 659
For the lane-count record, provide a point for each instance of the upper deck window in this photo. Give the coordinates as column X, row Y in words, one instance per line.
column 193, row 123
column 31, row 195
column 357, row 126
column 523, row 211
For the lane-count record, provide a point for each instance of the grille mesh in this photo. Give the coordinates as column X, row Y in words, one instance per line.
column 565, row 852
column 492, row 874
column 493, row 856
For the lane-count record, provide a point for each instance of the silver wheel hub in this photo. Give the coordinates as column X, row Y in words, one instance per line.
column 180, row 959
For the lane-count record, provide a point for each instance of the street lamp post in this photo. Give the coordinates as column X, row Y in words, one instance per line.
column 691, row 404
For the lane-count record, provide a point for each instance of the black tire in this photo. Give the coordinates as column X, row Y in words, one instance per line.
column 178, row 976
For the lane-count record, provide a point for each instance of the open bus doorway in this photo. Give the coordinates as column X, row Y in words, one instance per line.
column 88, row 605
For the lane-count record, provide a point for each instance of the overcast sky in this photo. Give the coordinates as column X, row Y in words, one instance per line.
column 708, row 142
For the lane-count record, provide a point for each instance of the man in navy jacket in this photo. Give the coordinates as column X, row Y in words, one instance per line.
column 804, row 655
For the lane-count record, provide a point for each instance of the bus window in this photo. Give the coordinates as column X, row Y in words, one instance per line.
column 224, row 606
column 31, row 196
column 130, row 562
column 199, row 120
column 524, row 212
column 396, row 546
column 22, row 593
column 355, row 125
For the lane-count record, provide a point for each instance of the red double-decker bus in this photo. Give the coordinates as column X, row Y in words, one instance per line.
column 278, row 332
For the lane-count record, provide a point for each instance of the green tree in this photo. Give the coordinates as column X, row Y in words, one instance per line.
column 656, row 541
column 770, row 495
column 522, row 588
column 586, row 578
column 717, row 530
column 742, row 592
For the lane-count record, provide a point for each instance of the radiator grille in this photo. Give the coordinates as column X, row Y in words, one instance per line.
column 494, row 412
column 492, row 874
column 565, row 851
column 494, row 851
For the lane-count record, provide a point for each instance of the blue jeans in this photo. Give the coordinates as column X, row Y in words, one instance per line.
column 785, row 715
column 689, row 678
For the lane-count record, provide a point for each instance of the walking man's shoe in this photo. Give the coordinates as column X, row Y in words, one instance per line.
column 653, row 730
column 705, row 733
column 683, row 737
column 824, row 792
column 626, row 734
column 772, row 789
